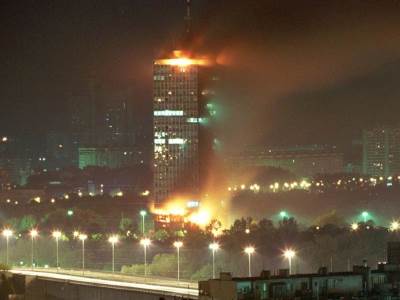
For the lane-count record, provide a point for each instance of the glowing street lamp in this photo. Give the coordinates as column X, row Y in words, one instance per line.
column 145, row 242
column 178, row 245
column 113, row 240
column 289, row 254
column 7, row 233
column 214, row 247
column 143, row 213
column 354, row 226
column 56, row 235
column 249, row 251
column 33, row 233
column 394, row 226
column 283, row 214
column 83, row 237
column 365, row 215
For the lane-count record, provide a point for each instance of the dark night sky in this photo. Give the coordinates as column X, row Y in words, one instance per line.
column 299, row 71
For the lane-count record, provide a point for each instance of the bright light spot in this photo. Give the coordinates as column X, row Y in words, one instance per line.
column 247, row 231
column 83, row 236
column 145, row 242
column 120, row 194
column 394, row 226
column 249, row 250
column 113, row 239
column 168, row 113
column 289, row 253
column 143, row 213
column 7, row 233
column 145, row 193
column 33, row 233
column 178, row 244
column 214, row 246
column 4, row 139
column 354, row 226
column 201, row 218
column 56, row 234
column 283, row 214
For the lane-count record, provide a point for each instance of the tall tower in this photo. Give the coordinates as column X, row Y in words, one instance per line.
column 181, row 143
column 176, row 127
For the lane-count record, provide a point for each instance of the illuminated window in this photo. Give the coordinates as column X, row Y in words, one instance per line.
column 159, row 141
column 168, row 113
column 176, row 141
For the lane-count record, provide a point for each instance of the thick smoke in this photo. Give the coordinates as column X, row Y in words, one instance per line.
column 299, row 71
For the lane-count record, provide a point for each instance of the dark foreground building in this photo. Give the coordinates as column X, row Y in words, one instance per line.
column 361, row 283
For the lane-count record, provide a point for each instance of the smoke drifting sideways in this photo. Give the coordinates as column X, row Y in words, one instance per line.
column 280, row 57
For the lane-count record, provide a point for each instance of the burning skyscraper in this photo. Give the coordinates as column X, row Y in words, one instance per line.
column 182, row 141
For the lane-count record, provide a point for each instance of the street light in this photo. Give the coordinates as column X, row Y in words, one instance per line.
column 365, row 215
column 354, row 226
column 57, row 234
column 249, row 251
column 7, row 233
column 283, row 215
column 214, row 248
column 394, row 226
column 178, row 245
column 143, row 213
column 33, row 233
column 83, row 237
column 145, row 242
column 113, row 240
column 289, row 254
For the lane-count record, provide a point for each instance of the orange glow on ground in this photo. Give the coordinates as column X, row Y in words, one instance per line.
column 178, row 208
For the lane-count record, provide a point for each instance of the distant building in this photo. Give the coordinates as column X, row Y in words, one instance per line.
column 305, row 161
column 381, row 152
column 107, row 157
column 361, row 283
column 59, row 150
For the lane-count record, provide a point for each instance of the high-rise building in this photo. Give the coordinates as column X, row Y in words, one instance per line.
column 182, row 87
column 381, row 151
column 183, row 141
column 176, row 128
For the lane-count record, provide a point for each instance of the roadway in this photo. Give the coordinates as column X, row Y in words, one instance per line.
column 116, row 280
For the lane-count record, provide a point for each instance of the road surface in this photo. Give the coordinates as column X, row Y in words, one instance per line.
column 154, row 285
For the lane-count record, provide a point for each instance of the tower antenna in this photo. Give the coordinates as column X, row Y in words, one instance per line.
column 188, row 17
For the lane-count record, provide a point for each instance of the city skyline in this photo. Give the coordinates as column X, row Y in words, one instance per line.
column 111, row 44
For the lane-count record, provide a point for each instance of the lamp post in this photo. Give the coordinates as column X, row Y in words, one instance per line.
column 249, row 251
column 145, row 242
column 7, row 233
column 394, row 226
column 365, row 215
column 214, row 248
column 33, row 233
column 289, row 254
column 83, row 237
column 143, row 213
column 178, row 245
column 56, row 235
column 113, row 240
column 354, row 226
